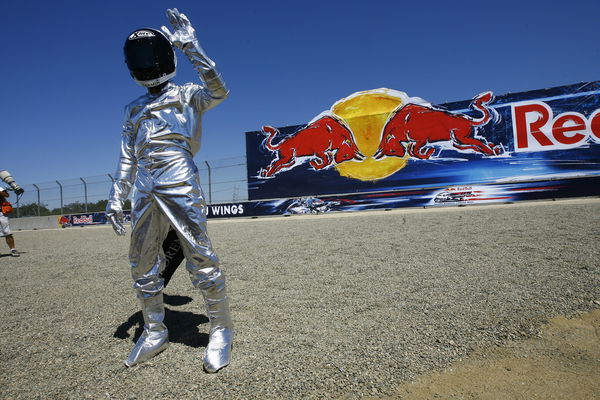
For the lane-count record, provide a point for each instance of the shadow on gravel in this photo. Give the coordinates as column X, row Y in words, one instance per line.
column 176, row 300
column 183, row 325
column 10, row 255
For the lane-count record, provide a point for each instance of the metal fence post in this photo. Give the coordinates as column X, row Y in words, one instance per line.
column 85, row 194
column 209, row 183
column 61, row 198
column 38, row 198
column 236, row 193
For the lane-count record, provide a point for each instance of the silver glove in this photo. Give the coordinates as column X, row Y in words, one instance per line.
column 115, row 217
column 184, row 38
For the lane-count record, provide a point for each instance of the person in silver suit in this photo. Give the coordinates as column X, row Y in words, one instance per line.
column 161, row 135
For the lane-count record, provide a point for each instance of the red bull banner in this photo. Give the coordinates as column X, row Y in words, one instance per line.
column 385, row 140
column 83, row 219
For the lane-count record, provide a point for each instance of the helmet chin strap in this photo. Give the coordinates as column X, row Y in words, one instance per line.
column 157, row 81
column 154, row 90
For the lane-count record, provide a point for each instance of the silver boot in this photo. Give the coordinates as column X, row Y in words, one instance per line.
column 155, row 337
column 218, row 352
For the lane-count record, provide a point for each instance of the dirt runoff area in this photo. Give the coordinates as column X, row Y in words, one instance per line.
column 563, row 363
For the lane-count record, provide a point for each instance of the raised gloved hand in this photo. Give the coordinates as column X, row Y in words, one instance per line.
column 114, row 214
column 184, row 38
column 183, row 31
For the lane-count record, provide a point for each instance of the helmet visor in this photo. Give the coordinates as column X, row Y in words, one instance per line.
column 149, row 55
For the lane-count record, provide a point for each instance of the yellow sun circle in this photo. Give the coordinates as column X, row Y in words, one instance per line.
column 366, row 114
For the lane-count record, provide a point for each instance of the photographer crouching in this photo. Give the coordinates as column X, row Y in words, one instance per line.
column 6, row 208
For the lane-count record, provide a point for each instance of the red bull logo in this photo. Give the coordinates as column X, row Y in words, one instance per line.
column 323, row 141
column 83, row 219
column 413, row 128
column 535, row 128
column 372, row 134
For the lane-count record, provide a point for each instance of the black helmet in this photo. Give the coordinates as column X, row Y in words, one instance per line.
column 150, row 57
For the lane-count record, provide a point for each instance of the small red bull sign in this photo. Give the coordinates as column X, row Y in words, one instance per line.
column 83, row 220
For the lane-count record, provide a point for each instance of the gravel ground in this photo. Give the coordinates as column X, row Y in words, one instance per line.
column 326, row 306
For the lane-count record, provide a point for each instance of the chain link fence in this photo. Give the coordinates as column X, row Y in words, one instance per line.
column 223, row 181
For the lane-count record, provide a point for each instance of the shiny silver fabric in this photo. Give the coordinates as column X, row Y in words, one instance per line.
column 161, row 135
column 218, row 352
column 155, row 337
column 184, row 38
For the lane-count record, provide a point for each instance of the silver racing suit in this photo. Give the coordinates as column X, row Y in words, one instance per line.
column 161, row 135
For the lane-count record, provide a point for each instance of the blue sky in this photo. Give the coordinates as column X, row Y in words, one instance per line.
column 65, row 83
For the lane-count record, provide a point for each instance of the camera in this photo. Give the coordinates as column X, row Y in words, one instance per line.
column 8, row 179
